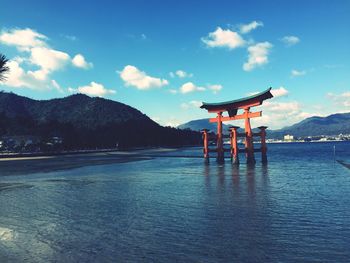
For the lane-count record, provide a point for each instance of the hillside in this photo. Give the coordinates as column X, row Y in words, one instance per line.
column 197, row 125
column 79, row 109
column 314, row 126
column 85, row 122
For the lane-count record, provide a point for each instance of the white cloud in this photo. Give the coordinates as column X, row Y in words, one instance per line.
column 223, row 38
column 279, row 92
column 281, row 114
column 191, row 104
column 190, row 87
column 156, row 119
column 80, row 62
column 181, row 74
column 23, row 39
column 18, row 77
column 290, row 40
column 57, row 86
column 173, row 91
column 93, row 89
column 215, row 88
column 278, row 114
column 172, row 122
column 132, row 76
column 246, row 28
column 290, row 107
column 169, row 121
column 40, row 74
column 48, row 59
column 342, row 99
column 37, row 60
column 70, row 37
column 257, row 55
column 71, row 90
column 298, row 73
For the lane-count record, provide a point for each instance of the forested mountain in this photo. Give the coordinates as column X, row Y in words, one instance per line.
column 314, row 126
column 85, row 122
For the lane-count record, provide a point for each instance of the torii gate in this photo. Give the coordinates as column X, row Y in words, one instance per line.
column 232, row 108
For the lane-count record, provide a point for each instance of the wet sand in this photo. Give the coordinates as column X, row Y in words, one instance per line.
column 35, row 164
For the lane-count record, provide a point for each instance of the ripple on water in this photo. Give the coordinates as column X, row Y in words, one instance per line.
column 13, row 186
column 176, row 209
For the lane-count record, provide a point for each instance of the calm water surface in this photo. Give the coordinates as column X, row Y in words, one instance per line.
column 295, row 209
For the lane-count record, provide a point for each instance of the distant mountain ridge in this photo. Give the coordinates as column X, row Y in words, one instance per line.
column 314, row 126
column 198, row 125
column 86, row 122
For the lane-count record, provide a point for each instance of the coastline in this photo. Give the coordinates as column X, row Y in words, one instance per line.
column 22, row 165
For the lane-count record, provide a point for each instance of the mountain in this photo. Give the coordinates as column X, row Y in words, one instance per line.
column 86, row 122
column 78, row 109
column 314, row 126
column 197, row 125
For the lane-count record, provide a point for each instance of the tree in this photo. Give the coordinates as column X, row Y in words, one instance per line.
column 3, row 67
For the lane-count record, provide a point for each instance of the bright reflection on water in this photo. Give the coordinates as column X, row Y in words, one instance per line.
column 178, row 209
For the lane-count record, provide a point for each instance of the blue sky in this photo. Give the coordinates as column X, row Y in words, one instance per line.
column 165, row 57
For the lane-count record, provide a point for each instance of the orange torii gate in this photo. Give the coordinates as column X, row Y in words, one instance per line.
column 232, row 108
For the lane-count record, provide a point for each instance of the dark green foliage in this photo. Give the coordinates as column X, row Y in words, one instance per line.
column 3, row 67
column 87, row 123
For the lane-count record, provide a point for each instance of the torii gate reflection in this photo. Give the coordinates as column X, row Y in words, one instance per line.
column 232, row 107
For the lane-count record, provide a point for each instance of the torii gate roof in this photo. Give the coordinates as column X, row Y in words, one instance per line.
column 232, row 106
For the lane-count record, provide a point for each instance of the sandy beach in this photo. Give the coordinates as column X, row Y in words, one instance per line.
column 32, row 164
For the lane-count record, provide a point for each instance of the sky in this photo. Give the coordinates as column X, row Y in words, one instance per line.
column 167, row 57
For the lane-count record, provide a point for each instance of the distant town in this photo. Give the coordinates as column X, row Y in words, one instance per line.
column 321, row 138
column 288, row 138
column 30, row 144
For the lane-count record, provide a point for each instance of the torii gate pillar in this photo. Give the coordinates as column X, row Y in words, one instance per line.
column 249, row 146
column 234, row 145
column 220, row 144
column 206, row 148
column 263, row 144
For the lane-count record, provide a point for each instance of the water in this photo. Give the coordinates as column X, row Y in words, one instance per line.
column 180, row 210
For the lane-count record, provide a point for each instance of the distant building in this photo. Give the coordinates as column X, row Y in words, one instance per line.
column 288, row 138
column 19, row 143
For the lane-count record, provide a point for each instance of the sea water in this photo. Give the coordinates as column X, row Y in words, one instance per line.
column 295, row 209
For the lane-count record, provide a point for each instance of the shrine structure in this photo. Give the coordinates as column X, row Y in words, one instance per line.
column 232, row 108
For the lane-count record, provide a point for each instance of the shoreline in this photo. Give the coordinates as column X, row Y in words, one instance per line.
column 78, row 152
column 22, row 165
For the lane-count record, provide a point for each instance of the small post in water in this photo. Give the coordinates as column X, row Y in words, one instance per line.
column 205, row 145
